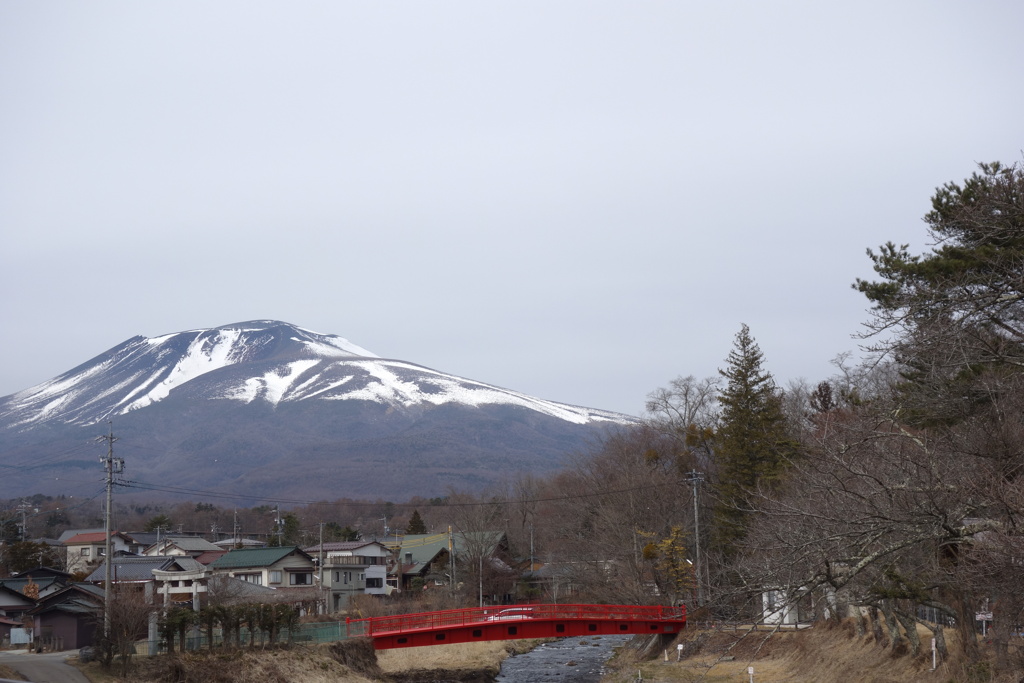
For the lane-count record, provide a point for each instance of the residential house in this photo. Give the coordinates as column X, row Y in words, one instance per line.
column 782, row 608
column 285, row 568
column 163, row 580
column 237, row 542
column 6, row 624
column 549, row 582
column 14, row 603
column 190, row 546
column 45, row 572
column 209, row 556
column 68, row 618
column 352, row 568
column 85, row 550
column 227, row 590
column 424, row 562
column 43, row 581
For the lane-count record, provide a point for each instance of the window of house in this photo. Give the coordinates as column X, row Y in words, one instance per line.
column 362, row 576
column 337, row 577
column 275, row 576
column 251, row 578
column 300, row 578
column 375, row 583
column 85, row 552
column 348, row 577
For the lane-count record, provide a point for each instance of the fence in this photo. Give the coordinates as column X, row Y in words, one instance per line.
column 318, row 632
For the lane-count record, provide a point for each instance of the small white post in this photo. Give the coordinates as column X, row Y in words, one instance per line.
column 934, row 665
column 679, row 652
column 750, row 670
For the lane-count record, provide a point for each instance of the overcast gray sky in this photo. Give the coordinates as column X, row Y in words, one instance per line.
column 577, row 200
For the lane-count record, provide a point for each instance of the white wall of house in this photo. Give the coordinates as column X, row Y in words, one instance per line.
column 775, row 609
column 85, row 556
column 354, row 572
column 290, row 572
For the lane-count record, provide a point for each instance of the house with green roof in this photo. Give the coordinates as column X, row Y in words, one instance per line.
column 425, row 561
column 283, row 568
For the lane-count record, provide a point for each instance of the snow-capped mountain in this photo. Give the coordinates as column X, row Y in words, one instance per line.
column 268, row 399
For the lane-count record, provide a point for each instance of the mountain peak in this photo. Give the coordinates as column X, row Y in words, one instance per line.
column 145, row 370
column 265, row 407
column 256, row 361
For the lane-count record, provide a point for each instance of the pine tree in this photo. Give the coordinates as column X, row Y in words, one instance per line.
column 953, row 316
column 751, row 446
column 416, row 525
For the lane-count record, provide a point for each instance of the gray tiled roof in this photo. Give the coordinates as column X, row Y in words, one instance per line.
column 133, row 568
column 189, row 543
column 239, row 590
column 44, row 582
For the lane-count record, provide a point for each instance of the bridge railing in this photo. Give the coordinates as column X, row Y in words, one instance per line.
column 403, row 623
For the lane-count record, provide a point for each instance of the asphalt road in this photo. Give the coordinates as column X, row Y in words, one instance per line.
column 49, row 667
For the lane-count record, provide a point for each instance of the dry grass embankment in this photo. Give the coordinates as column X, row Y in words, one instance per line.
column 808, row 656
column 351, row 661
column 461, row 662
column 10, row 674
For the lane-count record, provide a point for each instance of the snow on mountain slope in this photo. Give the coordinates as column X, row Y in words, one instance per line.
column 395, row 383
column 263, row 360
column 141, row 371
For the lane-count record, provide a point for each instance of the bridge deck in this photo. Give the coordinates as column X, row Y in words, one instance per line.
column 517, row 621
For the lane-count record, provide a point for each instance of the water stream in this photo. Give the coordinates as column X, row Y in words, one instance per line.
column 570, row 660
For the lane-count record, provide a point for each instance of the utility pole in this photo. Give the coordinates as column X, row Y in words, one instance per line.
column 23, row 508
column 321, row 565
column 111, row 466
column 531, row 550
column 451, row 559
column 695, row 478
column 277, row 523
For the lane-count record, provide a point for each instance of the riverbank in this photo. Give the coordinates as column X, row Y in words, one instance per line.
column 464, row 663
column 827, row 652
column 350, row 661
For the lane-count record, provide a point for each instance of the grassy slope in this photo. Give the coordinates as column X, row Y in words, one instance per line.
column 813, row 655
column 810, row 656
column 316, row 664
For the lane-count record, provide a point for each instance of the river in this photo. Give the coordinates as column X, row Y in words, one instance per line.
column 571, row 660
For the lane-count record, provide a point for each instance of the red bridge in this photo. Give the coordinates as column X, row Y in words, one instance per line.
column 518, row 621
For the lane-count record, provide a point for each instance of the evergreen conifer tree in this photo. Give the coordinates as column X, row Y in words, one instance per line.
column 416, row 525
column 751, row 446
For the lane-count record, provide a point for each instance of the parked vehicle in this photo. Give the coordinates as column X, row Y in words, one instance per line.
column 512, row 613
